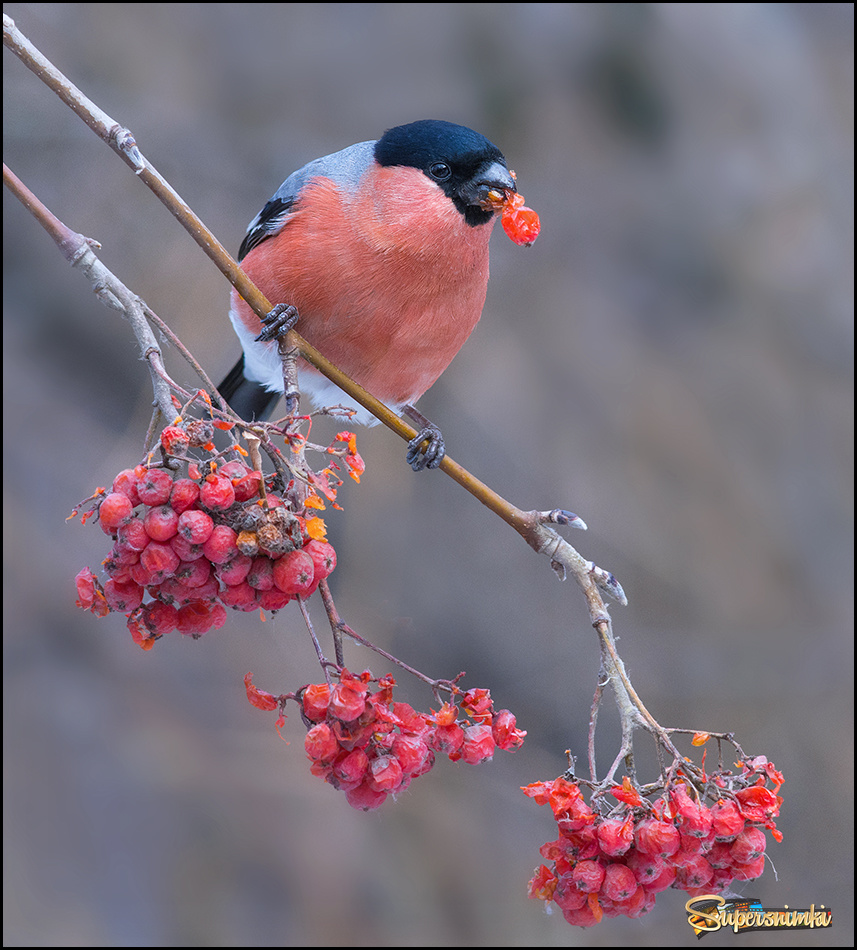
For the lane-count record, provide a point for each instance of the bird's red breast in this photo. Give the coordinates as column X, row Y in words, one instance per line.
column 389, row 280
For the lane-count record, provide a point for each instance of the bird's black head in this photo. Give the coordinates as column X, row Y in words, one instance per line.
column 460, row 161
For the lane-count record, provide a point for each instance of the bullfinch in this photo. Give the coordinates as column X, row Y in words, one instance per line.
column 383, row 250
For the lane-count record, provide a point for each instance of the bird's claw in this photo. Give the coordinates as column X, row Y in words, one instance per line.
column 278, row 322
column 434, row 452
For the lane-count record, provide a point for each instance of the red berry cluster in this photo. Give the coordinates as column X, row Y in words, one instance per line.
column 370, row 746
column 610, row 866
column 198, row 545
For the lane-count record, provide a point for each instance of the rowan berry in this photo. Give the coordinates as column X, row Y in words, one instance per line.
column 126, row 484
column 316, row 699
column 588, row 915
column 195, row 526
column 749, row 846
column 657, row 838
column 216, row 493
column 522, row 225
column 413, row 754
column 320, row 743
column 185, row 550
column 350, row 769
column 160, row 560
column 234, row 470
column 272, row 599
column 294, row 573
column 240, row 596
column 154, row 486
column 506, row 735
column 248, row 486
column 726, row 820
column 695, row 872
column 664, row 880
column 692, row 818
column 273, row 539
column 478, row 745
column 447, row 739
column 184, row 494
column 347, row 702
column 175, row 440
column 588, row 876
column 720, row 855
column 385, row 773
column 220, row 546
column 123, row 597
column 197, row 618
column 140, row 575
column 749, row 871
column 646, row 867
column 615, row 836
column 261, row 575
column 758, row 803
column 235, row 570
column 89, row 593
column 159, row 618
column 114, row 510
column 193, row 573
column 161, row 523
column 365, row 797
column 323, row 557
column 477, row 703
column 133, row 533
column 120, row 556
column 619, row 882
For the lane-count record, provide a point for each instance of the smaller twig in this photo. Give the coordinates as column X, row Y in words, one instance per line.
column 177, row 344
column 156, row 423
column 340, row 627
column 603, row 680
column 322, row 659
column 334, row 620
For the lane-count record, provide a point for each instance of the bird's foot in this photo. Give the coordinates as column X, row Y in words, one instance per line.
column 430, row 436
column 278, row 322
column 434, row 450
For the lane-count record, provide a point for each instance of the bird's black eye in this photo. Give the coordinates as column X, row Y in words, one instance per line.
column 440, row 171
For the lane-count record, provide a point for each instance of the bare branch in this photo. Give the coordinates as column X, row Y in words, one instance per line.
column 78, row 251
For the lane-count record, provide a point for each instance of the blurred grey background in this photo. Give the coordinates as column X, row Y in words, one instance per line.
column 672, row 360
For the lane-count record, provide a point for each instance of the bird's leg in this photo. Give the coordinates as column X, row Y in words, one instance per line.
column 276, row 326
column 428, row 433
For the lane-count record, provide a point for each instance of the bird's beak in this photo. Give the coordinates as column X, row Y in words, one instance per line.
column 489, row 186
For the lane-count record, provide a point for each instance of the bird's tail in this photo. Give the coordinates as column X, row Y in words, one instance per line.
column 246, row 397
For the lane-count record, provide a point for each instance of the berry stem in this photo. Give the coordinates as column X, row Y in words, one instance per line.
column 339, row 627
column 322, row 659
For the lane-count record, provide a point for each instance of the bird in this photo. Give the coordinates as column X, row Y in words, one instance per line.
column 382, row 248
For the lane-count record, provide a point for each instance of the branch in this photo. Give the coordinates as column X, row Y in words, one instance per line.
column 78, row 251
